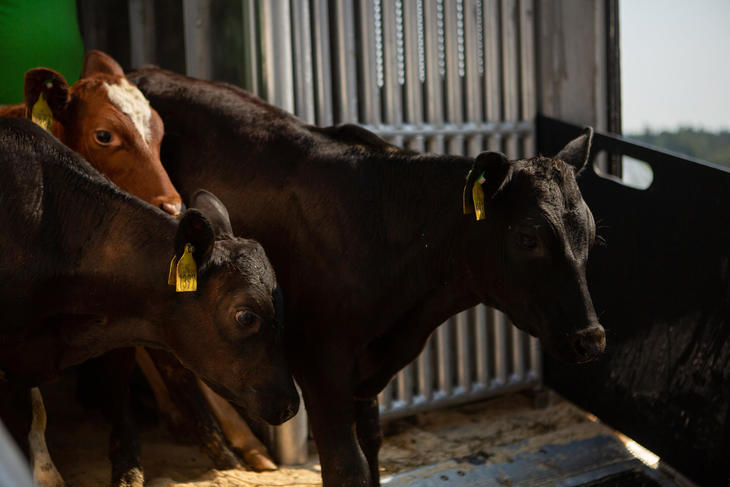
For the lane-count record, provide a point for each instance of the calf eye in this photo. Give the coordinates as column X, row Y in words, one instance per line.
column 245, row 318
column 526, row 241
column 103, row 136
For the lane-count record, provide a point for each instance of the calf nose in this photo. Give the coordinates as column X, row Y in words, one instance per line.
column 171, row 208
column 590, row 342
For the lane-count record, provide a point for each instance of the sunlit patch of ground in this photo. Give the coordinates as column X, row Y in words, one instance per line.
column 78, row 442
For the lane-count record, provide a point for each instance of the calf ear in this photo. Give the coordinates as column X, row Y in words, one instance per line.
column 100, row 62
column 195, row 229
column 497, row 171
column 576, row 151
column 214, row 210
column 52, row 84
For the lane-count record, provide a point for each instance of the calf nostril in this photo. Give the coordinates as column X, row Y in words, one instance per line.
column 590, row 342
column 579, row 347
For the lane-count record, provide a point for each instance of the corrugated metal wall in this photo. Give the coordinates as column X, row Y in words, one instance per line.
column 446, row 76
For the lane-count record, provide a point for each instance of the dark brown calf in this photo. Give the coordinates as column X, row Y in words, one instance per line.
column 83, row 271
column 372, row 247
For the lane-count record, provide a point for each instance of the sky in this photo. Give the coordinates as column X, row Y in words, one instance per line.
column 675, row 64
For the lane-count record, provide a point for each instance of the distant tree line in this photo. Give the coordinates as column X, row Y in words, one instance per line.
column 708, row 146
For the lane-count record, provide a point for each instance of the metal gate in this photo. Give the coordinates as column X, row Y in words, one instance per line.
column 446, row 76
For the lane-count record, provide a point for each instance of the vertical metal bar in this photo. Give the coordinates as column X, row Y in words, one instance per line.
column 527, row 59
column 463, row 352
column 303, row 66
column 278, row 88
column 499, row 350
column 517, row 337
column 493, row 71
column 323, row 67
column 455, row 70
column 94, row 17
column 481, row 337
column 415, row 67
column 385, row 398
column 393, row 65
column 142, row 32
column 276, row 48
column 535, row 370
column 613, row 80
column 196, row 21
column 529, row 111
column 404, row 389
column 425, row 372
column 290, row 439
column 371, row 49
column 251, row 62
column 435, row 68
column 346, row 84
column 443, row 355
column 511, row 92
column 474, row 64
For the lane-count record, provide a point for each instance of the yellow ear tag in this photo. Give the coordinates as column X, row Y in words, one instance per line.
column 467, row 208
column 172, row 275
column 42, row 114
column 186, row 272
column 477, row 192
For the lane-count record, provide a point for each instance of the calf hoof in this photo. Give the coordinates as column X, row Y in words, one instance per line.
column 48, row 478
column 44, row 471
column 131, row 478
column 259, row 461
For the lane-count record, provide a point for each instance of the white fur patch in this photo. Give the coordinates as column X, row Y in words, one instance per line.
column 133, row 104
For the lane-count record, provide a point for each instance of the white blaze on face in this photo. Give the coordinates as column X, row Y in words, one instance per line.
column 133, row 104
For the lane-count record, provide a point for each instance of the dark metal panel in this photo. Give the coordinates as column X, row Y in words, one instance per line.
column 613, row 79
column 661, row 285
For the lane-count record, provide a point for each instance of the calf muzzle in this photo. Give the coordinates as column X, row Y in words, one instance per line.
column 276, row 409
column 589, row 343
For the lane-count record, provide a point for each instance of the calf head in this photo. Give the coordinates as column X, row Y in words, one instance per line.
column 110, row 123
column 229, row 331
column 534, row 247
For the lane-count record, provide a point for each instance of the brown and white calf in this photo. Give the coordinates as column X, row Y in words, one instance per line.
column 106, row 119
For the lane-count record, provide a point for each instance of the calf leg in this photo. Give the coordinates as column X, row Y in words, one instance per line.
column 239, row 435
column 124, row 448
column 369, row 434
column 166, row 406
column 44, row 471
column 332, row 417
column 183, row 387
